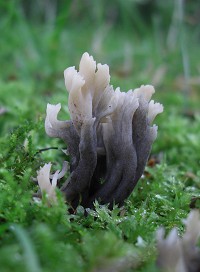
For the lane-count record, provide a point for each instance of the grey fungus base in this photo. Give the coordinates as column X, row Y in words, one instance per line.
column 109, row 136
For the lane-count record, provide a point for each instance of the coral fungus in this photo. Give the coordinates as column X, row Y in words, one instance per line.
column 109, row 136
column 180, row 254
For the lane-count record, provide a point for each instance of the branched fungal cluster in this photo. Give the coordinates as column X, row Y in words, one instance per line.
column 180, row 254
column 109, row 136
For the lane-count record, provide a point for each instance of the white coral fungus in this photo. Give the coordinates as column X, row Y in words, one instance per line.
column 178, row 254
column 109, row 136
column 47, row 182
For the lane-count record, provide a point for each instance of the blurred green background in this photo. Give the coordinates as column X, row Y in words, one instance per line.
column 143, row 41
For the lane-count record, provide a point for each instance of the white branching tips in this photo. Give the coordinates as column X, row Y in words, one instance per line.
column 192, row 224
column 109, row 136
column 47, row 182
column 154, row 109
column 53, row 126
column 43, row 177
column 170, row 251
column 86, row 88
column 145, row 92
column 180, row 254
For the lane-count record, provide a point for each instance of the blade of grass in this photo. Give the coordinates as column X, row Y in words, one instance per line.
column 30, row 256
